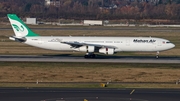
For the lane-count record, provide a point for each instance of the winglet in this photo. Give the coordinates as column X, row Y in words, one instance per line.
column 20, row 29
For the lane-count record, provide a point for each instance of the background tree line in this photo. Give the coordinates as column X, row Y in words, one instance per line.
column 94, row 9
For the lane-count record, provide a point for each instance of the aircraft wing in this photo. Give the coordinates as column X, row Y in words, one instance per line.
column 78, row 44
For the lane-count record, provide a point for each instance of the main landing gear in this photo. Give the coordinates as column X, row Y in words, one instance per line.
column 157, row 55
column 89, row 55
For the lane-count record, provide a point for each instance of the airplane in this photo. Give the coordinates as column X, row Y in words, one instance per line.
column 90, row 45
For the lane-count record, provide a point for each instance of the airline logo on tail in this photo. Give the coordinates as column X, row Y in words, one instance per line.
column 19, row 29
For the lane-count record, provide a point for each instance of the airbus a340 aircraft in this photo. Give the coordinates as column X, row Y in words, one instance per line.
column 90, row 45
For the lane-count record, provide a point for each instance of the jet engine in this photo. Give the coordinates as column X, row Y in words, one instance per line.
column 108, row 51
column 88, row 49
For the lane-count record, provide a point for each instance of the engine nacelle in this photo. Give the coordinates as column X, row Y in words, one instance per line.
column 88, row 49
column 109, row 51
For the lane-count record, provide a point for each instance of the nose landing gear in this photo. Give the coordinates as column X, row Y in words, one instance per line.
column 157, row 55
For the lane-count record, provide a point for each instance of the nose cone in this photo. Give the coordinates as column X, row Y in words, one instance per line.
column 172, row 45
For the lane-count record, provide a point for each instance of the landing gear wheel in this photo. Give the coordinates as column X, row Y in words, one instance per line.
column 86, row 56
column 90, row 56
column 93, row 56
column 157, row 55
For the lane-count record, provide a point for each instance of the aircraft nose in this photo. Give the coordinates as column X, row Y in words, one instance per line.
column 172, row 45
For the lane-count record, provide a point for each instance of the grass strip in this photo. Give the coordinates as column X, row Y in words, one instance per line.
column 140, row 74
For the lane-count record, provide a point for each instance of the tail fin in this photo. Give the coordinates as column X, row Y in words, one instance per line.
column 20, row 29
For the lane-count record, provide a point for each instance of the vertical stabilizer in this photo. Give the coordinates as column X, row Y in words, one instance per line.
column 20, row 29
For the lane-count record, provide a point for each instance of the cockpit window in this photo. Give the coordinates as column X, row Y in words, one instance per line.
column 168, row 42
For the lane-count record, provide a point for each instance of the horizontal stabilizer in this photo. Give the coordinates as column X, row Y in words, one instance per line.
column 18, row 39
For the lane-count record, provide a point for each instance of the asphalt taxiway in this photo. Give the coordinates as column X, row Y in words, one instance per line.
column 60, row 94
column 99, row 59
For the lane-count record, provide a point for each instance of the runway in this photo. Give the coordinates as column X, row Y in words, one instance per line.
column 99, row 59
column 63, row 94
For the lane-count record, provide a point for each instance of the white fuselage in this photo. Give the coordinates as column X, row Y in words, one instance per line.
column 146, row 44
